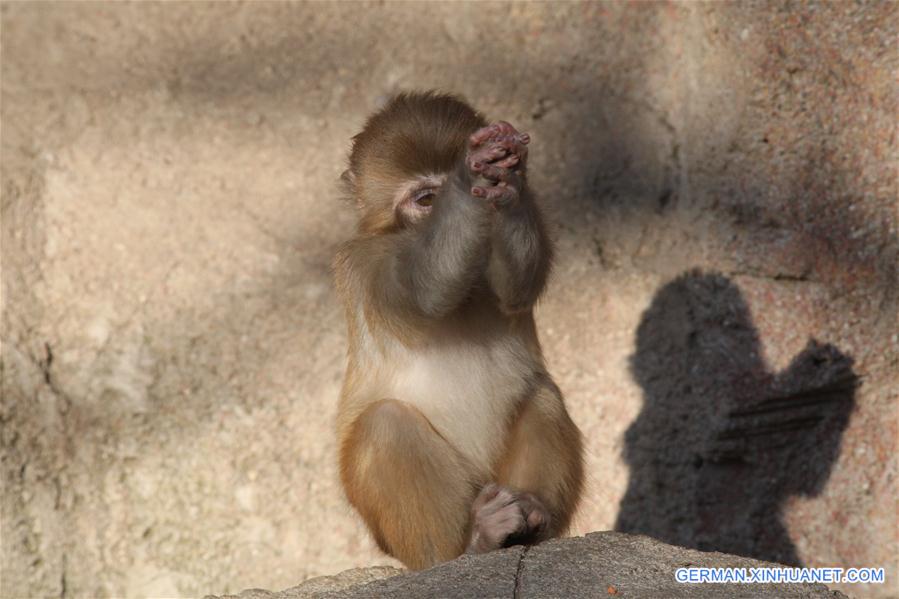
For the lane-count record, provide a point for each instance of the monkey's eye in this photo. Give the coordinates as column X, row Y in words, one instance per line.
column 424, row 197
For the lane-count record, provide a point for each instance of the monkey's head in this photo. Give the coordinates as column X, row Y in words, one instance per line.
column 404, row 155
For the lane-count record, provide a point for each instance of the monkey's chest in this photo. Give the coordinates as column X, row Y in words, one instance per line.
column 468, row 394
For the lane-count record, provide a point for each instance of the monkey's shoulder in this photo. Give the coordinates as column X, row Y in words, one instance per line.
column 353, row 259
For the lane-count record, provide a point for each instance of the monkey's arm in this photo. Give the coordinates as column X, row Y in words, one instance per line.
column 520, row 252
column 434, row 266
column 520, row 255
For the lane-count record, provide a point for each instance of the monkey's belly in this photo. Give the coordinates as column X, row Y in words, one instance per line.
column 467, row 393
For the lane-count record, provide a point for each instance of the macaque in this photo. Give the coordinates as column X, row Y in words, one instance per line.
column 453, row 437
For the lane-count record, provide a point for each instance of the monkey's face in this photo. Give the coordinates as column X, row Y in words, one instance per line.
column 395, row 201
column 414, row 200
column 404, row 155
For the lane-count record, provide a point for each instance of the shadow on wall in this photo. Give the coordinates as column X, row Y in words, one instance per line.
column 721, row 443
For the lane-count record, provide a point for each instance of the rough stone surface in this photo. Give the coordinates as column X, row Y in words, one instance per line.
column 723, row 181
column 322, row 586
column 599, row 565
column 615, row 564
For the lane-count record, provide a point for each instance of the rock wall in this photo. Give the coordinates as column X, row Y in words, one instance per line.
column 722, row 318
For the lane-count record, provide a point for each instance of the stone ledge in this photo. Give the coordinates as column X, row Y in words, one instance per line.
column 602, row 564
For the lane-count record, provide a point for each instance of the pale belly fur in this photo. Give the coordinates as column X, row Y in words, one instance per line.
column 466, row 392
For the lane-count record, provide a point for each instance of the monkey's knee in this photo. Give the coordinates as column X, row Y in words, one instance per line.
column 411, row 487
column 373, row 437
column 387, row 417
column 544, row 456
column 398, row 441
column 392, row 426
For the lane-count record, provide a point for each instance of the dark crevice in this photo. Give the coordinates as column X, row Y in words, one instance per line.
column 46, row 363
column 517, row 592
column 784, row 277
column 62, row 580
column 780, row 277
column 45, row 366
column 57, row 485
column 664, row 198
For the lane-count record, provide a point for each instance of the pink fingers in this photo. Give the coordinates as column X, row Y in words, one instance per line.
column 498, row 193
column 483, row 134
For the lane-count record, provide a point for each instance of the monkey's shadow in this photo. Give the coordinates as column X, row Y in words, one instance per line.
column 721, row 443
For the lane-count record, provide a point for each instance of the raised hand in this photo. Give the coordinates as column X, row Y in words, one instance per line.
column 497, row 157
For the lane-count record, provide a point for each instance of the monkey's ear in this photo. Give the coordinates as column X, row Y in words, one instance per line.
column 348, row 182
column 348, row 186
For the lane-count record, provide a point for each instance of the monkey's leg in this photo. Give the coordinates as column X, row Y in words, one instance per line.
column 544, row 457
column 412, row 488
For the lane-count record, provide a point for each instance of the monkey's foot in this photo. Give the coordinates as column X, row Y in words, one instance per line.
column 502, row 517
column 496, row 158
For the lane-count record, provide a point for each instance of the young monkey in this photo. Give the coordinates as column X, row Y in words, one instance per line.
column 453, row 437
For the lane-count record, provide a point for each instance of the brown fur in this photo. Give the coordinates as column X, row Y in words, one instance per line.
column 434, row 408
column 392, row 447
column 414, row 134
column 543, row 428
